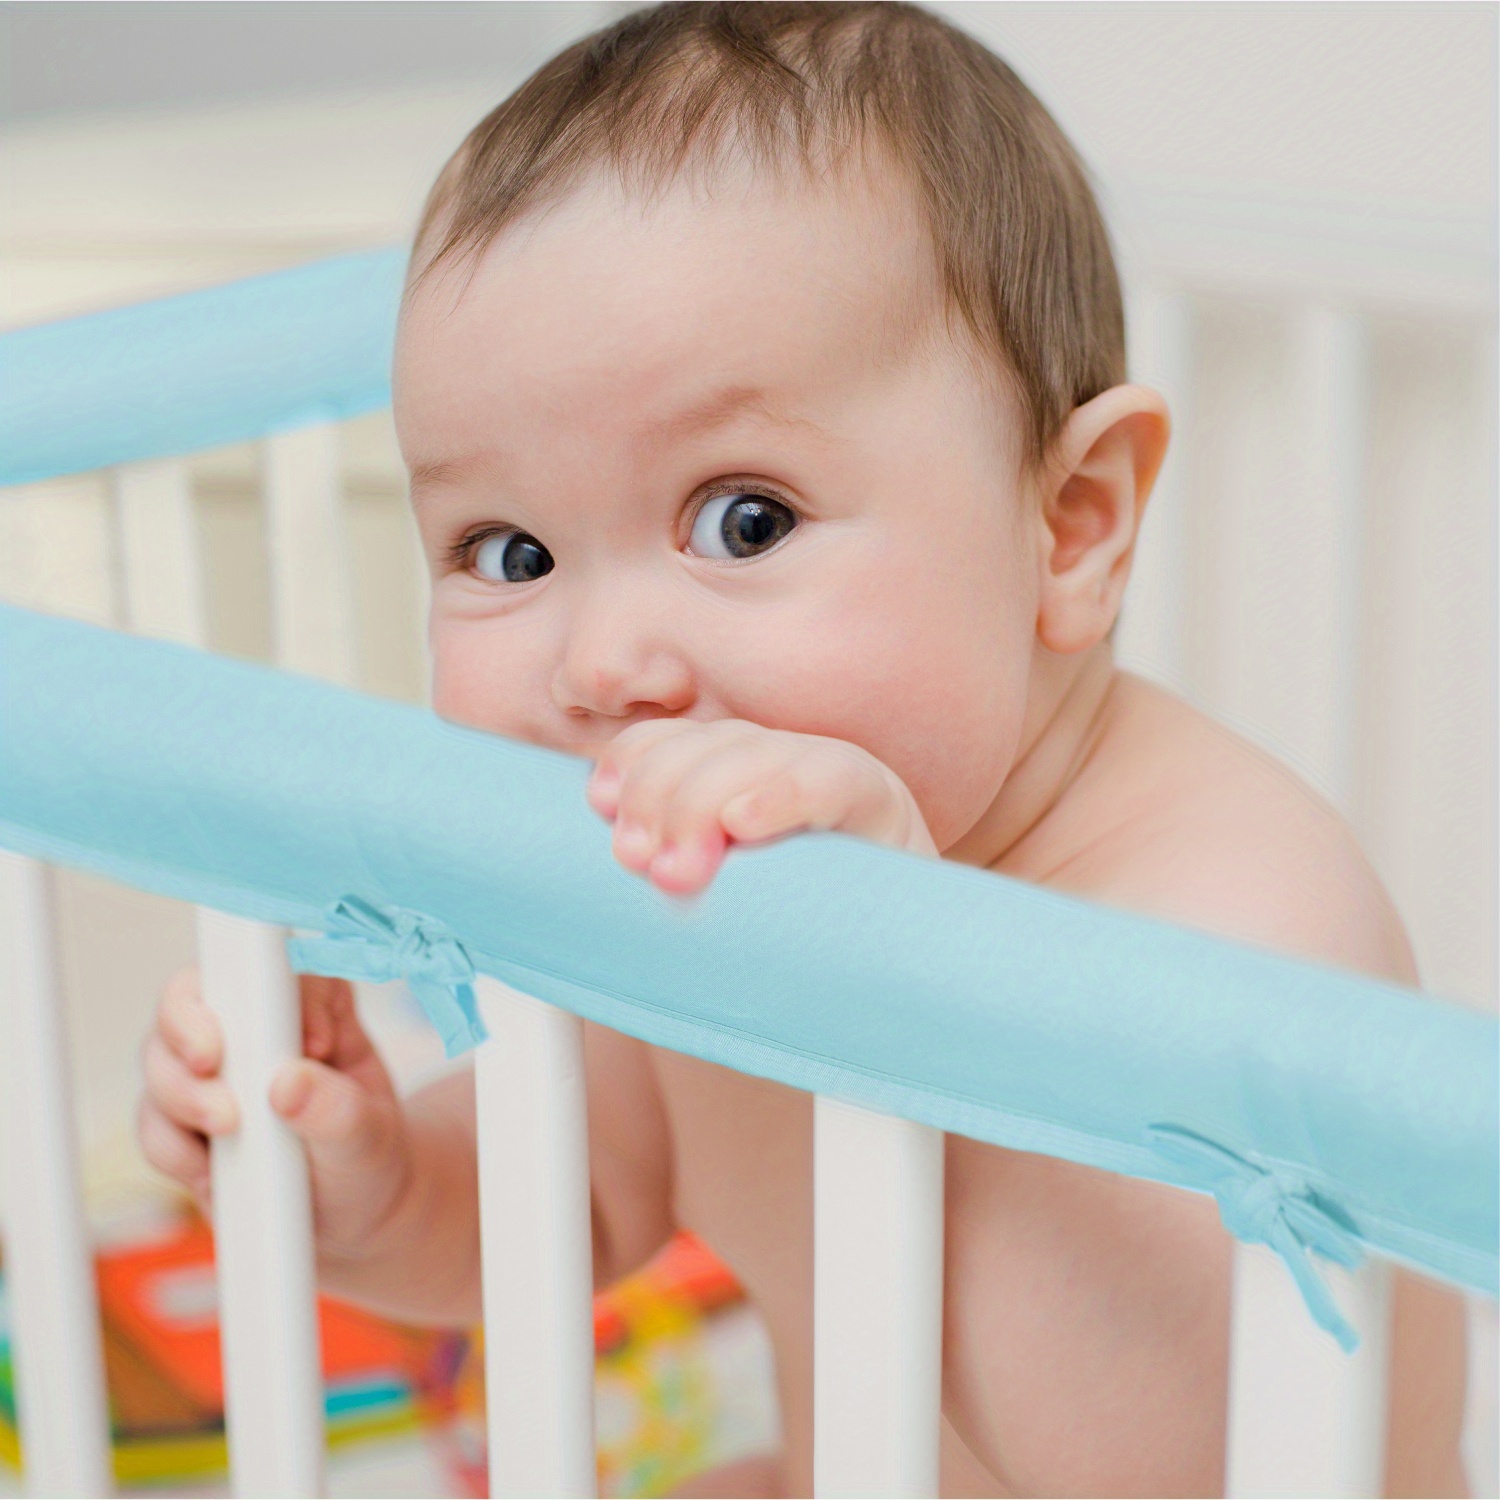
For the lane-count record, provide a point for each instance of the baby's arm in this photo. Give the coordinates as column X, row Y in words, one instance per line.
column 1088, row 1315
column 421, row 1265
column 424, row 1266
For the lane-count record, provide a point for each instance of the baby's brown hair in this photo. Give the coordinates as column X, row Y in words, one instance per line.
column 1023, row 251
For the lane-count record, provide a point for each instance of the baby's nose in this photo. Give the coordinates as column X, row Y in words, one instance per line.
column 661, row 686
column 616, row 667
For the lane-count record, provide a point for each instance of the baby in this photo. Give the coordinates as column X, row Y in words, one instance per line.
column 761, row 380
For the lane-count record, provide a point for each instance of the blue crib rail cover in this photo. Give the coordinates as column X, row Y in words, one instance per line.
column 1324, row 1110
column 222, row 365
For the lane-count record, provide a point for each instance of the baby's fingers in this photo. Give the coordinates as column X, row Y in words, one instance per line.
column 194, row 1103
column 643, row 756
column 188, row 1026
column 344, row 1127
column 829, row 788
column 330, row 1025
column 672, row 791
column 179, row 1154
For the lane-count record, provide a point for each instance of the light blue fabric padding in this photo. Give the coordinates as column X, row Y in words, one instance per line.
column 222, row 365
column 1323, row 1110
column 368, row 941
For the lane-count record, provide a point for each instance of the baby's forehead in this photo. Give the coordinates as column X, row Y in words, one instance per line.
column 616, row 349
column 747, row 253
column 628, row 321
column 609, row 323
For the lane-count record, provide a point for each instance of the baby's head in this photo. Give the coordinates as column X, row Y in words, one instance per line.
column 765, row 361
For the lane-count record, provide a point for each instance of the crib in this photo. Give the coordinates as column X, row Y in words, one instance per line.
column 1304, row 1416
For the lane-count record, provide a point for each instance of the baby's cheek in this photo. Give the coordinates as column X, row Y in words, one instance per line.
column 954, row 795
column 457, row 692
column 474, row 684
column 951, row 733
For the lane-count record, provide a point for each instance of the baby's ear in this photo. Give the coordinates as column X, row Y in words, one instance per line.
column 1101, row 467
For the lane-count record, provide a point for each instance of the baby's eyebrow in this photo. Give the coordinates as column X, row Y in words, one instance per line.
column 440, row 471
column 719, row 407
column 433, row 473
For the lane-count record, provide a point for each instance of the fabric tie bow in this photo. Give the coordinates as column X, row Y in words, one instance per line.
column 367, row 941
column 1261, row 1208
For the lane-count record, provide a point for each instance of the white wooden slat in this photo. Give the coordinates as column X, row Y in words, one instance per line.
column 262, row 1220
column 55, row 550
column 1151, row 637
column 59, row 1361
column 1331, row 389
column 17, row 561
column 878, row 1303
column 1428, row 761
column 1283, row 577
column 311, row 589
column 160, row 571
column 1480, row 1448
column 536, row 1240
column 1304, row 1417
column 262, row 1212
column 265, row 1171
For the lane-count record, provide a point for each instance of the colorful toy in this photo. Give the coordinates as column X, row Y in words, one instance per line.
column 661, row 1412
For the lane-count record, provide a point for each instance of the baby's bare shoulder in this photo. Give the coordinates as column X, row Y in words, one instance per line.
column 1184, row 819
column 1087, row 1335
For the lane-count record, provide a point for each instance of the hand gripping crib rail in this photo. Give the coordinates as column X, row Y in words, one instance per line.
column 1326, row 1113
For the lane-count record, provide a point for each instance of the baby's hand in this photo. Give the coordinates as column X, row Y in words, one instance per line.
column 680, row 792
column 338, row 1098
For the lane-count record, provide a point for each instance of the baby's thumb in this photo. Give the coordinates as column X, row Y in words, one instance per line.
column 342, row 1126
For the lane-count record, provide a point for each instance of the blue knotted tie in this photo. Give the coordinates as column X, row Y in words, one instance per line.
column 1261, row 1208
column 377, row 943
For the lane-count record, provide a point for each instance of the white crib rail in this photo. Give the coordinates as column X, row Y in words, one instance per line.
column 1304, row 1417
column 263, row 1247
column 536, row 1241
column 878, row 1303
column 273, row 1401
column 59, row 1362
column 312, row 621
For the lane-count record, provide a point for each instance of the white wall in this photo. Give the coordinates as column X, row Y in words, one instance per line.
column 1388, row 102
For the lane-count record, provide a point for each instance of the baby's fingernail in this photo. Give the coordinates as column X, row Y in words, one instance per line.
column 633, row 844
column 680, row 867
column 289, row 1090
column 219, row 1114
column 743, row 811
column 199, row 1045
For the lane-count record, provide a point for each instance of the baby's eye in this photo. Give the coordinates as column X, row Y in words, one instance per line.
column 740, row 525
column 511, row 557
